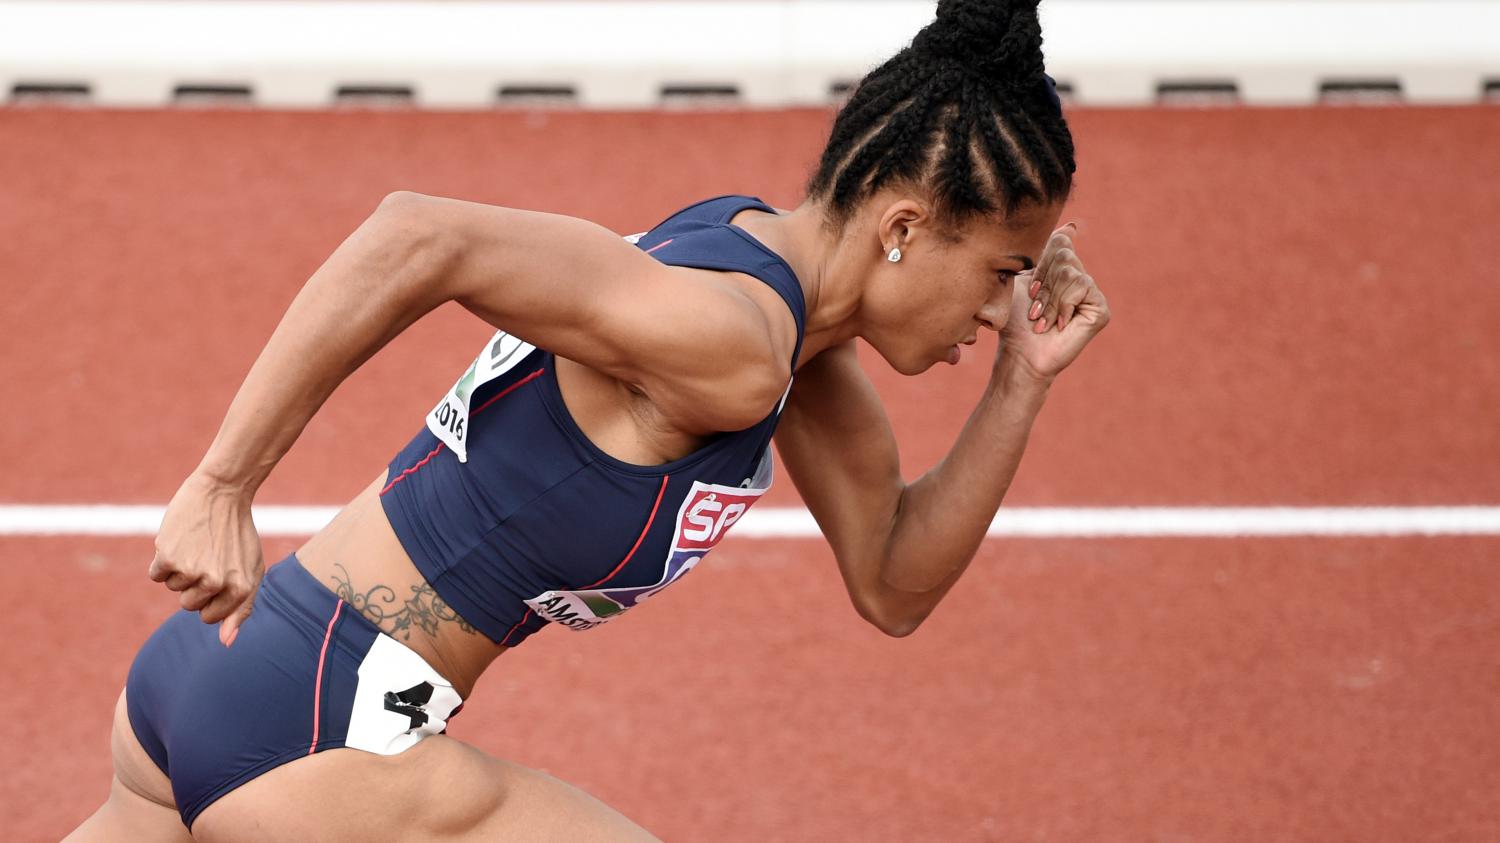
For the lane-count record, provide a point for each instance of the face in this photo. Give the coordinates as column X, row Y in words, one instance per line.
column 942, row 293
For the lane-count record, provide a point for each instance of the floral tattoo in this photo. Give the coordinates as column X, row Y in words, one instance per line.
column 423, row 609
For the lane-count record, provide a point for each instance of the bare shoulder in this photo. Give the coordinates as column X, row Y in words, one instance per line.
column 740, row 345
column 710, row 349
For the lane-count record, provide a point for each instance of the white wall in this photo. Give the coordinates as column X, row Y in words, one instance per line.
column 773, row 52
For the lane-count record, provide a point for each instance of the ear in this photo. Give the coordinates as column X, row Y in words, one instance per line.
column 902, row 222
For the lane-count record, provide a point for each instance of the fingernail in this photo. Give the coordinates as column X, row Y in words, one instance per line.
column 1036, row 310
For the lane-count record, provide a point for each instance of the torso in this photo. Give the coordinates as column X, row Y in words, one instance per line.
column 359, row 557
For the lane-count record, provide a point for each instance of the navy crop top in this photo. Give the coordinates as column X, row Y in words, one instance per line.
column 518, row 520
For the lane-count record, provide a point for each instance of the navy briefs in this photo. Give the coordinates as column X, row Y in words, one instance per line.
column 307, row 673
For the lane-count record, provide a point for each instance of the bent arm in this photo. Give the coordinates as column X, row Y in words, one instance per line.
column 565, row 284
column 900, row 546
column 369, row 290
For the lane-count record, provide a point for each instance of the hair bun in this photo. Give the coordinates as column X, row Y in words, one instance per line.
column 996, row 38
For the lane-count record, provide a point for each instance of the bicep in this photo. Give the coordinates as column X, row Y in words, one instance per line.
column 583, row 292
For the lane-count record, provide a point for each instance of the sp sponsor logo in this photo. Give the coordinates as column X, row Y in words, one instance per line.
column 703, row 519
column 708, row 514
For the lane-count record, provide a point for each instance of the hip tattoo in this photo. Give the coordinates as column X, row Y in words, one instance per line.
column 395, row 616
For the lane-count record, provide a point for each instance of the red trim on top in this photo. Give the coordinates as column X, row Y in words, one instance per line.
column 402, row 475
column 508, row 390
column 660, row 493
column 651, row 519
column 660, row 245
column 318, row 683
column 514, row 628
column 504, row 392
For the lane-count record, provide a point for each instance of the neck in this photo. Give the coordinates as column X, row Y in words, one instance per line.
column 822, row 263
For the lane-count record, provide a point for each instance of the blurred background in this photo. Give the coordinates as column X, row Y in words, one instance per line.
column 1244, row 587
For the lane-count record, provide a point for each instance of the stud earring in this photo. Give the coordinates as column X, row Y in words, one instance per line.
column 894, row 256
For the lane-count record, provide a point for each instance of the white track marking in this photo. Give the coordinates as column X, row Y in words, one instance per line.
column 797, row 523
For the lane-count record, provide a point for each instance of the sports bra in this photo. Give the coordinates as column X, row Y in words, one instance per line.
column 518, row 520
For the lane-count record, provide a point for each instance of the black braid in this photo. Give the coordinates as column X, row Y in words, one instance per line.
column 960, row 179
column 964, row 112
column 911, row 134
column 867, row 114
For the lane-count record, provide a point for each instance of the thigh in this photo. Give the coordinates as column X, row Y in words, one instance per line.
column 439, row 789
column 139, row 806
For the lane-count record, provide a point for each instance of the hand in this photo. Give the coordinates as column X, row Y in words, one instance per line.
column 1062, row 308
column 209, row 551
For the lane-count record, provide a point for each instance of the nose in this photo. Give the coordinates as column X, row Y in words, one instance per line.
column 993, row 315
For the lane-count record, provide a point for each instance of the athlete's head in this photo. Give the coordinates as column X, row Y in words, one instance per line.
column 955, row 151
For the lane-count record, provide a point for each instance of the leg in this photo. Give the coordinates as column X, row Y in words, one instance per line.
column 440, row 789
column 139, row 806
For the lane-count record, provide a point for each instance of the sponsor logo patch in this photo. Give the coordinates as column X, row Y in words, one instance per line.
column 703, row 520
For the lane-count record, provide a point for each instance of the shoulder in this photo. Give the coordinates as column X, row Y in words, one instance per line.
column 735, row 356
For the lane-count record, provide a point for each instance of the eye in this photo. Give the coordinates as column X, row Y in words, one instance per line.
column 1006, row 276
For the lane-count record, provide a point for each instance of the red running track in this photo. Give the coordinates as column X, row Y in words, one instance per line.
column 1304, row 302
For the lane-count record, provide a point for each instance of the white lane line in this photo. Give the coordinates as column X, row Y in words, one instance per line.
column 796, row 522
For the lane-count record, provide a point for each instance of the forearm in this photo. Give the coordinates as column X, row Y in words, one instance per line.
column 374, row 285
column 942, row 516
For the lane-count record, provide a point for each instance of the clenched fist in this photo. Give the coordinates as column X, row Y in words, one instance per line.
column 1063, row 306
column 209, row 552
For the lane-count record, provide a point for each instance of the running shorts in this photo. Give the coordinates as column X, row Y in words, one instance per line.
column 306, row 674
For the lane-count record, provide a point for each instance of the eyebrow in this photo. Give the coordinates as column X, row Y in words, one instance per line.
column 1025, row 261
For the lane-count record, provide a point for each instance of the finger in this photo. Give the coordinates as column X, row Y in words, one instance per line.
column 1062, row 260
column 181, row 582
column 1068, row 277
column 224, row 603
column 1070, row 302
column 229, row 630
column 1060, row 277
column 1098, row 307
column 199, row 594
column 1060, row 239
column 160, row 568
column 1030, row 281
column 1040, row 302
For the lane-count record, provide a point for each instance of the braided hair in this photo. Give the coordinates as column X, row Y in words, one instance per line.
column 964, row 112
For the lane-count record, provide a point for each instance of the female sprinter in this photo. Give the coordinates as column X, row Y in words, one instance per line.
column 567, row 477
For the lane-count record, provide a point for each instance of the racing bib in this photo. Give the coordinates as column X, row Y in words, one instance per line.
column 449, row 420
column 704, row 518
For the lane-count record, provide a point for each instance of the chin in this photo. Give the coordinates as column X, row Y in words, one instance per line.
column 908, row 362
column 914, row 365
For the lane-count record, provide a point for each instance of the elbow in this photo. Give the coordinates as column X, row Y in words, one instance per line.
column 893, row 620
column 899, row 629
column 410, row 226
